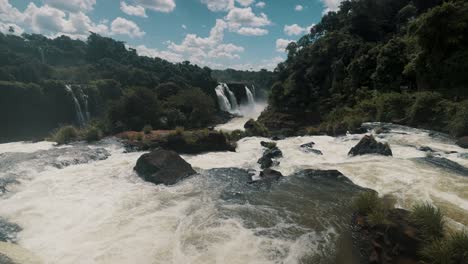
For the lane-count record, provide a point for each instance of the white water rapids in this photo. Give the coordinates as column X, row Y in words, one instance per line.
column 102, row 212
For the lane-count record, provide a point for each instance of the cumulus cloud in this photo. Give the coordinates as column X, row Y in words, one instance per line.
column 268, row 64
column 245, row 2
column 260, row 4
column 218, row 5
column 9, row 13
column 331, row 5
column 245, row 22
column 250, row 31
column 282, row 44
column 142, row 50
column 295, row 30
column 133, row 10
column 72, row 5
column 165, row 6
column 122, row 26
column 299, row 8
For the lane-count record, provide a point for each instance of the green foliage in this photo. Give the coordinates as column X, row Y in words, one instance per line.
column 255, row 128
column 451, row 250
column 429, row 221
column 367, row 202
column 423, row 110
column 197, row 107
column 92, row 134
column 147, row 129
column 65, row 135
column 392, row 106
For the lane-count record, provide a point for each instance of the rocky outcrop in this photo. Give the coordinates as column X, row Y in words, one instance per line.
column 368, row 145
column 445, row 164
column 309, row 148
column 269, row 155
column 271, row 175
column 186, row 142
column 463, row 142
column 397, row 242
column 163, row 167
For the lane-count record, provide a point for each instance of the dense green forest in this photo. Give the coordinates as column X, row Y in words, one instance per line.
column 403, row 61
column 122, row 91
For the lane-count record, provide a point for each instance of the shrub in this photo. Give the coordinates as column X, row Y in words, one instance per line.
column 93, row 134
column 424, row 108
column 255, row 128
column 452, row 250
column 391, row 106
column 458, row 124
column 236, row 135
column 179, row 130
column 366, row 202
column 429, row 221
column 65, row 135
column 147, row 129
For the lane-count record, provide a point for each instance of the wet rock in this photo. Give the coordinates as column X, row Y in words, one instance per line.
column 163, row 167
column 425, row 149
column 268, row 145
column 368, row 145
column 382, row 130
column 462, row 142
column 309, row 148
column 267, row 159
column 463, row 155
column 445, row 164
column 278, row 137
column 308, row 145
column 269, row 174
column 265, row 162
column 315, row 151
column 5, row 259
column 8, row 231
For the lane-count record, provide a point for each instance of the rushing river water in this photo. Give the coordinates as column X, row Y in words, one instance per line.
column 85, row 204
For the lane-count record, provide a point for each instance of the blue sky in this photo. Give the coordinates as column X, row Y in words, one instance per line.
column 241, row 34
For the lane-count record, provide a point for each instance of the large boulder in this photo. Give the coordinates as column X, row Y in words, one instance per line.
column 463, row 142
column 266, row 161
column 368, row 145
column 163, row 167
column 270, row 175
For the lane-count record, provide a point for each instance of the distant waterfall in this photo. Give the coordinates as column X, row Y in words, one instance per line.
column 223, row 101
column 250, row 96
column 80, row 117
column 232, row 98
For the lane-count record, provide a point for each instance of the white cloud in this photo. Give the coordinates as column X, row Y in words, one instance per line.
column 281, row 44
column 165, row 6
column 260, row 4
column 122, row 26
column 295, row 30
column 9, row 13
column 331, row 5
column 245, row 22
column 245, row 2
column 218, row 5
column 268, row 64
column 202, row 51
column 133, row 10
column 72, row 5
column 250, row 31
column 299, row 8
column 5, row 28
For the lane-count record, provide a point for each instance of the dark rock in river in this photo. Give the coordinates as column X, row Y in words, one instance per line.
column 163, row 167
column 5, row 259
column 268, row 145
column 445, row 164
column 266, row 161
column 269, row 174
column 463, row 142
column 368, row 145
column 308, row 145
column 309, row 148
column 8, row 231
column 425, row 149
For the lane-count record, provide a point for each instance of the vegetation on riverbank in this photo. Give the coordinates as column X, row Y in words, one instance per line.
column 423, row 229
column 394, row 61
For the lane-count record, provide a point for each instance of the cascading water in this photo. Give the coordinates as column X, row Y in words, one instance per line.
column 223, row 101
column 80, row 116
column 232, row 99
column 250, row 96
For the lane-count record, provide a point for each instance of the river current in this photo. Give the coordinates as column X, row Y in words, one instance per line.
column 84, row 203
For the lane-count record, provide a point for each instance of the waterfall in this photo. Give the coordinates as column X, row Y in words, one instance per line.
column 79, row 113
column 250, row 96
column 84, row 99
column 223, row 101
column 232, row 99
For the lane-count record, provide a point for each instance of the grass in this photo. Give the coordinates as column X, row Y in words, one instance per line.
column 429, row 220
column 93, row 134
column 65, row 135
column 367, row 202
column 451, row 250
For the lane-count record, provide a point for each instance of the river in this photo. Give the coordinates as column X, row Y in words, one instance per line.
column 84, row 203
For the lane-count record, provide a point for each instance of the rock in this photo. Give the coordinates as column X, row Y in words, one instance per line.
column 265, row 162
column 273, row 153
column 309, row 148
column 462, row 142
column 308, row 145
column 249, row 124
column 268, row 145
column 269, row 174
column 445, row 164
column 316, row 151
column 8, row 231
column 368, row 145
column 278, row 137
column 163, row 167
column 382, row 130
column 425, row 149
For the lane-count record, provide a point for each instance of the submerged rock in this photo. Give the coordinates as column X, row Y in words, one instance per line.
column 8, row 231
column 309, row 148
column 269, row 174
column 463, row 142
column 163, row 167
column 368, row 145
column 445, row 164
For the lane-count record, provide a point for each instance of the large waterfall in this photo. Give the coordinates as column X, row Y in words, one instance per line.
column 81, row 117
column 228, row 102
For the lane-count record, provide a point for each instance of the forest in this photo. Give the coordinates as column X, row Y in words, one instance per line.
column 400, row 61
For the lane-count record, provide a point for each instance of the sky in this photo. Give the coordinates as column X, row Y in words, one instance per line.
column 239, row 34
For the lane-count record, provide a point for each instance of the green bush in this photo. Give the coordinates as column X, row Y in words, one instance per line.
column 93, row 134
column 458, row 125
column 147, row 129
column 391, row 106
column 423, row 111
column 452, row 250
column 367, row 202
column 65, row 135
column 429, row 221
